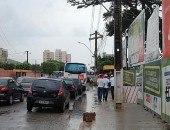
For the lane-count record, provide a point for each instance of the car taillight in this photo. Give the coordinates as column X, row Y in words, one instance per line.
column 4, row 89
column 30, row 90
column 72, row 87
column 60, row 93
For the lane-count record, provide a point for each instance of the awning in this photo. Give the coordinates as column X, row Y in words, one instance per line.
column 108, row 67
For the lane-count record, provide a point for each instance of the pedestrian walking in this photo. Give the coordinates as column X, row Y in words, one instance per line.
column 100, row 84
column 112, row 86
column 105, row 88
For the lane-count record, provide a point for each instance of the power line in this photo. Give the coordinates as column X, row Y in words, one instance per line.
column 6, row 38
column 92, row 19
column 99, row 17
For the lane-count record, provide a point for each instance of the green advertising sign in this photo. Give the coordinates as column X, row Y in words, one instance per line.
column 129, row 77
column 152, row 75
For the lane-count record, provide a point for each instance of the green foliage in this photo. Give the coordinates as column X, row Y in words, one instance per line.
column 107, row 60
column 7, row 66
column 24, row 66
column 130, row 11
column 36, row 68
column 50, row 66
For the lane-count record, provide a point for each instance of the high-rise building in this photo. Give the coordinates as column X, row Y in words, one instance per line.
column 3, row 55
column 62, row 56
column 68, row 57
column 47, row 55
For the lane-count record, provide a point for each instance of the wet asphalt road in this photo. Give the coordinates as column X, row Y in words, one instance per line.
column 16, row 117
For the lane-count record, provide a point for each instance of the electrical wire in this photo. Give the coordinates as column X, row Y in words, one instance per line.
column 6, row 38
column 99, row 17
column 91, row 29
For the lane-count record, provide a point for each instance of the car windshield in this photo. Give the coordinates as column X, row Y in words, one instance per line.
column 76, row 81
column 3, row 82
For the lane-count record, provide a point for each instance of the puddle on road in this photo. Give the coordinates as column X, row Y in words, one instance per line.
column 87, row 102
column 4, row 112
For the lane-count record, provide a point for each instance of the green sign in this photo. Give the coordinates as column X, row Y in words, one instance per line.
column 152, row 75
column 129, row 77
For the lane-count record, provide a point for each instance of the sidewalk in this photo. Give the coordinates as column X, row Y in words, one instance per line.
column 130, row 117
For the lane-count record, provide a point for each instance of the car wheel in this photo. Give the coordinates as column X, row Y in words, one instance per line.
column 22, row 97
column 10, row 101
column 29, row 107
column 74, row 94
column 68, row 104
column 80, row 92
column 62, row 107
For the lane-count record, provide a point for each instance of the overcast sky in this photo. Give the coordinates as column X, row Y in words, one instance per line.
column 38, row 25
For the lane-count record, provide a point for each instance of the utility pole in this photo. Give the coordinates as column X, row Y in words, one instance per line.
column 27, row 55
column 97, row 35
column 118, row 73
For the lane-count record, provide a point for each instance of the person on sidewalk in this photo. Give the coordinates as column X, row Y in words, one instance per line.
column 100, row 84
column 112, row 86
column 105, row 88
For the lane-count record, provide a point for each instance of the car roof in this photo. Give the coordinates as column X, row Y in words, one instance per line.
column 25, row 77
column 44, row 78
column 68, row 79
column 6, row 77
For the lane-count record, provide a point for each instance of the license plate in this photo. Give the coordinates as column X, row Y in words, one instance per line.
column 44, row 102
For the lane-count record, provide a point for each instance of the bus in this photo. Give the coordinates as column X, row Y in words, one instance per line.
column 76, row 70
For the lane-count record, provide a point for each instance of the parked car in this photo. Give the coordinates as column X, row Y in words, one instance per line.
column 83, row 85
column 78, row 85
column 72, row 86
column 10, row 90
column 25, row 82
column 48, row 92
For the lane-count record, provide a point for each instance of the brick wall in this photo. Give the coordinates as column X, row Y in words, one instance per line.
column 11, row 73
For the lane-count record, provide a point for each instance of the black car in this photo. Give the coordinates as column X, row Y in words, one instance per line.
column 48, row 92
column 10, row 90
column 72, row 87
column 78, row 85
column 25, row 82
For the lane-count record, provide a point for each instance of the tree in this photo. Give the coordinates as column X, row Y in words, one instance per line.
column 24, row 66
column 106, row 60
column 130, row 11
column 7, row 66
column 48, row 67
column 36, row 68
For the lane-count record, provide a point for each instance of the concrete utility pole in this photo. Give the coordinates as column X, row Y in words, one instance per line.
column 95, row 53
column 118, row 73
column 27, row 55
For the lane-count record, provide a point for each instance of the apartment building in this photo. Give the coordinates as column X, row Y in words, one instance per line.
column 3, row 55
column 62, row 56
column 68, row 57
column 47, row 55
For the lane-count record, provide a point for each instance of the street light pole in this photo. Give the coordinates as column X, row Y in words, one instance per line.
column 87, row 48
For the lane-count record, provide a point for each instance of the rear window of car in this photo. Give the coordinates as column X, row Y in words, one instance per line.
column 28, row 80
column 3, row 82
column 68, row 81
column 47, row 84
